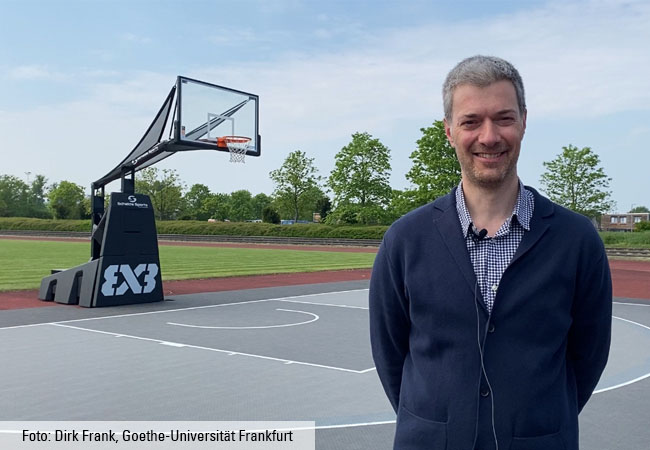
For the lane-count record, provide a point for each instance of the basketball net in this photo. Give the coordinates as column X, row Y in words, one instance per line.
column 237, row 146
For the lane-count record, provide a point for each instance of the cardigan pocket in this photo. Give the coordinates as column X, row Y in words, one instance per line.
column 415, row 432
column 547, row 442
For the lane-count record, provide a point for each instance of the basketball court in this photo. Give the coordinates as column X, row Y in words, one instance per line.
column 281, row 353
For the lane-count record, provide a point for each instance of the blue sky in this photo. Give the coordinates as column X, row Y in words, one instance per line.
column 81, row 81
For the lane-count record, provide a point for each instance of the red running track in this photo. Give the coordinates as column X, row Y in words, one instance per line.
column 631, row 279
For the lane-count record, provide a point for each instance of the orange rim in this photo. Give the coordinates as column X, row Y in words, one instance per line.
column 224, row 140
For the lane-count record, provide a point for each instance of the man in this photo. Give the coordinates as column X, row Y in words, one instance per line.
column 490, row 308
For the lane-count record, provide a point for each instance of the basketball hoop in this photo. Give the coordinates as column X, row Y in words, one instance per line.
column 237, row 146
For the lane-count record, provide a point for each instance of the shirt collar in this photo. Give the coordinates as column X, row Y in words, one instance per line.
column 523, row 210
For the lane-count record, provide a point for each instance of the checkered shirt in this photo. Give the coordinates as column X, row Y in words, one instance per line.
column 491, row 255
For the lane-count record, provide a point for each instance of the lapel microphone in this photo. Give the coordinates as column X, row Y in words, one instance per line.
column 478, row 235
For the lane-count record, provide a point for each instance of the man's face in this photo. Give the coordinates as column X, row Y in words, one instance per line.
column 486, row 130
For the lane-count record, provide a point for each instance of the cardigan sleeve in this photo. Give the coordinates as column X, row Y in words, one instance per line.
column 590, row 334
column 389, row 323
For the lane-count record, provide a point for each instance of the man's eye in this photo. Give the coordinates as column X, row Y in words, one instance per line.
column 507, row 120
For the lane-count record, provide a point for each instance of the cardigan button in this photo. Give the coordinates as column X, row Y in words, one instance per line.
column 491, row 328
column 485, row 392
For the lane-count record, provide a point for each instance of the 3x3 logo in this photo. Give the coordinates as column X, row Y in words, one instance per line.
column 130, row 279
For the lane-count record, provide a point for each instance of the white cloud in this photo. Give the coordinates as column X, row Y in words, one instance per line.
column 98, row 73
column 33, row 72
column 245, row 37
column 234, row 36
column 639, row 131
column 578, row 60
column 135, row 92
column 136, row 38
column 103, row 55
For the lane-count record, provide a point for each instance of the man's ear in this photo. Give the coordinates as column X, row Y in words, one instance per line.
column 448, row 132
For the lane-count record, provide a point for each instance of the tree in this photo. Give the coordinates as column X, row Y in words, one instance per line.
column 361, row 176
column 270, row 215
column 14, row 196
column 401, row 202
column 241, row 206
column 323, row 206
column 218, row 206
column 19, row 199
column 36, row 199
column 575, row 180
column 259, row 203
column 435, row 170
column 66, row 200
column 195, row 202
column 295, row 182
column 165, row 190
column 640, row 209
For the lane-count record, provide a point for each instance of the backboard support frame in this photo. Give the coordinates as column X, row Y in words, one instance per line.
column 127, row 244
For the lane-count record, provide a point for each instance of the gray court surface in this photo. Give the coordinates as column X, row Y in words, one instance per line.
column 290, row 353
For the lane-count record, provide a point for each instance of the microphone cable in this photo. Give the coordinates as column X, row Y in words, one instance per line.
column 478, row 237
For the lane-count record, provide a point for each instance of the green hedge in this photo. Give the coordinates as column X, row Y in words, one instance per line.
column 268, row 229
column 210, row 228
column 25, row 223
column 639, row 239
column 611, row 239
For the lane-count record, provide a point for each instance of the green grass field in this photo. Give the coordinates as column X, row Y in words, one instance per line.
column 24, row 263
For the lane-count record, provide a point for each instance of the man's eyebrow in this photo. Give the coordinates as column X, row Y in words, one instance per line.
column 502, row 112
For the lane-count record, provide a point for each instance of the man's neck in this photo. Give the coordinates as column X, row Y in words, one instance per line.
column 491, row 207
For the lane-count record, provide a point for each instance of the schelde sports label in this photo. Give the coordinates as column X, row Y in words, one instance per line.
column 137, row 205
column 158, row 435
column 132, row 203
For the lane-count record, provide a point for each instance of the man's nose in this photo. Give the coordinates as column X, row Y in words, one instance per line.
column 489, row 134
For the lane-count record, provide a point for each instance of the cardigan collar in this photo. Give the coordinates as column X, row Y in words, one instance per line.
column 522, row 211
column 446, row 222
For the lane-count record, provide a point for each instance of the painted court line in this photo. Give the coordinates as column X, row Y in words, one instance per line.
column 207, row 327
column 325, row 304
column 118, row 316
column 345, row 425
column 199, row 347
column 632, row 322
column 291, row 299
column 627, row 383
column 170, row 344
column 631, row 304
column 189, row 308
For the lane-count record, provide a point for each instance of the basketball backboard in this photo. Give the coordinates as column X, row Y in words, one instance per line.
column 208, row 114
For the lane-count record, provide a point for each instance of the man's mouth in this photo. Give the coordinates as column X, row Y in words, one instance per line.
column 489, row 155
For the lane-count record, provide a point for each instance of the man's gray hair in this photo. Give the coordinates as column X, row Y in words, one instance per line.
column 481, row 71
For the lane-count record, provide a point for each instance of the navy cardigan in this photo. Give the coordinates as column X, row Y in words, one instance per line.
column 546, row 342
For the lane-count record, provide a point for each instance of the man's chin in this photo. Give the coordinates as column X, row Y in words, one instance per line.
column 489, row 180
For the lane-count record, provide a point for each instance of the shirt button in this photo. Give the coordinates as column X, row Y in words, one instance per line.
column 495, row 287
